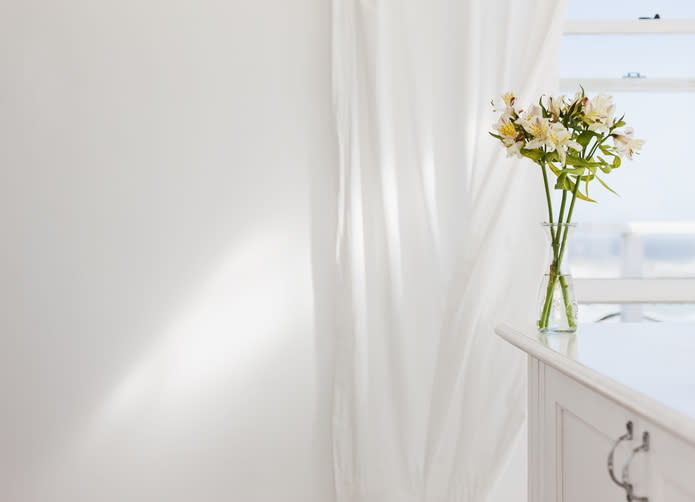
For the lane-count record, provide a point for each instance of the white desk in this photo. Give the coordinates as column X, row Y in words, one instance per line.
column 585, row 387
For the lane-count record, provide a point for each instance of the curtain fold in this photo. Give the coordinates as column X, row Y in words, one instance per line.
column 438, row 239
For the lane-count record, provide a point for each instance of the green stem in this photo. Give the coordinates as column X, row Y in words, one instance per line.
column 563, row 281
column 559, row 220
column 597, row 144
column 555, row 272
column 569, row 219
column 550, row 205
column 543, row 321
column 545, row 313
column 568, row 305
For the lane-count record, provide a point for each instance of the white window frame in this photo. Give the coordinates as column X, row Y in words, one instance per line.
column 631, row 293
column 630, row 27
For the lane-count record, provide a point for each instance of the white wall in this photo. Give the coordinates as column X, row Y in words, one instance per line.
column 159, row 160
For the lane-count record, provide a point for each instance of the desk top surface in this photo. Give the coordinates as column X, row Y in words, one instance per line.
column 646, row 367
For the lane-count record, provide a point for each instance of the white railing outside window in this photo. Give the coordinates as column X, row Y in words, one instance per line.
column 630, row 288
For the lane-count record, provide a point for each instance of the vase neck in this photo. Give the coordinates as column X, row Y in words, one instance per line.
column 558, row 237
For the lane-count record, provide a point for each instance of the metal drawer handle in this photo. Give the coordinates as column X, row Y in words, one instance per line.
column 631, row 497
column 625, row 437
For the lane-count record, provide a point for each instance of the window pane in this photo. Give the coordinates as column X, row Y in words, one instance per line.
column 648, row 230
column 667, row 256
column 614, row 56
column 601, row 252
column 658, row 184
column 630, row 9
column 595, row 254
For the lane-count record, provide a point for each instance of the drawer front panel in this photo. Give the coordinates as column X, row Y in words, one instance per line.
column 672, row 467
column 580, row 428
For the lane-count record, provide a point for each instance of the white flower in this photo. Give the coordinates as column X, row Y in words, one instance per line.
column 505, row 128
column 510, row 137
column 537, row 126
column 626, row 144
column 533, row 123
column 505, row 104
column 556, row 105
column 552, row 136
column 560, row 137
column 598, row 112
column 514, row 150
column 577, row 97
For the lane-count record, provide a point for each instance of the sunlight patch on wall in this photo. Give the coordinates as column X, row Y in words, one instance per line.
column 227, row 329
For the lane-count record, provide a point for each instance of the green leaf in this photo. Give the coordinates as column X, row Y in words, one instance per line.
column 554, row 169
column 534, row 154
column 579, row 162
column 577, row 171
column 585, row 138
column 604, row 165
column 618, row 123
column 563, row 183
column 496, row 136
column 580, row 195
column 607, row 166
column 607, row 187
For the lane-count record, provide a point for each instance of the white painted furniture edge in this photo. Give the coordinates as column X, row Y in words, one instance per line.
column 659, row 414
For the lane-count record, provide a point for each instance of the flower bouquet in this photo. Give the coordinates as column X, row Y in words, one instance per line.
column 568, row 139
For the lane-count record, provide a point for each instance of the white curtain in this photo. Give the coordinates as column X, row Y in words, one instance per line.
column 438, row 239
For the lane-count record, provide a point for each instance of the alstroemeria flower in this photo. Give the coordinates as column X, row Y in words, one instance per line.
column 626, row 144
column 505, row 128
column 505, row 104
column 598, row 112
column 554, row 137
column 561, row 138
column 533, row 123
column 556, row 105
column 514, row 150
column 511, row 138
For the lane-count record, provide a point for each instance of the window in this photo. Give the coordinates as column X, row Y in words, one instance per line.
column 633, row 256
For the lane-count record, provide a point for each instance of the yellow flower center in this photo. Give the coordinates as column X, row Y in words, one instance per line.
column 536, row 130
column 507, row 129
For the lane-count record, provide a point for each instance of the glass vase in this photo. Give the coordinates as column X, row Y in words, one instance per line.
column 557, row 304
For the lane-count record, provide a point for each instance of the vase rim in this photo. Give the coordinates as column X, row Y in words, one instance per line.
column 546, row 224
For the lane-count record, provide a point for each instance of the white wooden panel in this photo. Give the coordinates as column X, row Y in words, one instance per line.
column 580, row 428
column 535, row 420
column 674, row 493
column 671, row 467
